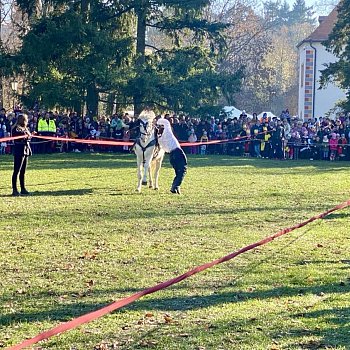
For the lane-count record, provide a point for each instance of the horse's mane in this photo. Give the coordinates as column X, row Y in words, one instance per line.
column 147, row 114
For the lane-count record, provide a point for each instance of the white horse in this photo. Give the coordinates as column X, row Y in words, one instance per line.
column 149, row 154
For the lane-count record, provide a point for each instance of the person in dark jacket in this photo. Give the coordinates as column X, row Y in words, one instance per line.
column 21, row 152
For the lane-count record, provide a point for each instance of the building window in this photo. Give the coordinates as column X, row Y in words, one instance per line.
column 302, row 72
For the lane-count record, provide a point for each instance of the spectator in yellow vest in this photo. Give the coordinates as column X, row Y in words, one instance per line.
column 46, row 127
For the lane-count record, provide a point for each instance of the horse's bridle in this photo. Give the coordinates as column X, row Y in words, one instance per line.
column 145, row 127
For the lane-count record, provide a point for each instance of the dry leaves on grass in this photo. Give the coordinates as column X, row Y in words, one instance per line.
column 148, row 343
column 89, row 255
column 167, row 318
column 21, row 291
column 101, row 346
column 90, row 283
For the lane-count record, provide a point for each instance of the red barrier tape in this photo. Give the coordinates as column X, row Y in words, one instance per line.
column 123, row 302
column 104, row 142
column 119, row 143
column 11, row 138
column 90, row 142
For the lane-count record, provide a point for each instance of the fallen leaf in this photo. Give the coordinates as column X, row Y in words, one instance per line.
column 69, row 266
column 89, row 255
column 168, row 319
column 148, row 343
column 101, row 346
column 90, row 283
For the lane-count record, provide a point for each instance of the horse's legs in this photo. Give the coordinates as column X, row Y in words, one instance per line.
column 146, row 166
column 150, row 170
column 156, row 173
column 139, row 174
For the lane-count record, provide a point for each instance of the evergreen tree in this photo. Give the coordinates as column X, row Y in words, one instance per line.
column 284, row 13
column 272, row 11
column 339, row 44
column 300, row 13
column 191, row 58
column 74, row 53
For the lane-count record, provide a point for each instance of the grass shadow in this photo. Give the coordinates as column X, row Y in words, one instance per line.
column 122, row 160
column 77, row 192
column 335, row 216
column 334, row 335
column 66, row 311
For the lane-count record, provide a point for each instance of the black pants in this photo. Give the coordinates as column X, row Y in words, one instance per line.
column 19, row 167
column 178, row 161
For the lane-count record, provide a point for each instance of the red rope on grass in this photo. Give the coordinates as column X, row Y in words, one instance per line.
column 128, row 300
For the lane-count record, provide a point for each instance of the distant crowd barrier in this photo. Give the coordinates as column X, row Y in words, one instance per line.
column 104, row 142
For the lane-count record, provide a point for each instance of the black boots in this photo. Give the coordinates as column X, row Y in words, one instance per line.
column 15, row 193
column 175, row 190
column 24, row 192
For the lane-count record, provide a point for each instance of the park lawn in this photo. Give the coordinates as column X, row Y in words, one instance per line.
column 86, row 238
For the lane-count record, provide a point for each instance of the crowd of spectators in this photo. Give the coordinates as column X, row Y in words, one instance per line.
column 283, row 137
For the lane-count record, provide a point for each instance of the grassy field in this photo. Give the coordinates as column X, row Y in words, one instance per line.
column 85, row 238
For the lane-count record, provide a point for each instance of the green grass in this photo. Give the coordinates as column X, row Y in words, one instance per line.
column 86, row 238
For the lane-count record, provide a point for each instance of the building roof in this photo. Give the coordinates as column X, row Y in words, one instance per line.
column 321, row 33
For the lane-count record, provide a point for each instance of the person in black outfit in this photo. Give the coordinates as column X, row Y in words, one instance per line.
column 21, row 152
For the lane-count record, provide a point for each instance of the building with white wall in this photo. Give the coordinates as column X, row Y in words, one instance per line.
column 314, row 102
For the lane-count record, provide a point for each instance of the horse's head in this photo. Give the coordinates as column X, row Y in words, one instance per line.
column 146, row 124
column 146, row 129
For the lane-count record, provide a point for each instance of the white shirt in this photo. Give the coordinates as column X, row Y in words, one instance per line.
column 167, row 140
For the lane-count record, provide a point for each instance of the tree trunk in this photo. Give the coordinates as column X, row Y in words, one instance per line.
column 85, row 7
column 141, row 12
column 110, row 104
column 92, row 100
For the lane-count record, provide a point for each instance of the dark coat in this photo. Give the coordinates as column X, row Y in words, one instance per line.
column 21, row 146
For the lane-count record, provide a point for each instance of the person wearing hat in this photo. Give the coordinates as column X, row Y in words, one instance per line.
column 21, row 152
column 177, row 158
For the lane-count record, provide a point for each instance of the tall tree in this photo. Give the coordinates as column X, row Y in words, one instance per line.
column 284, row 13
column 191, row 35
column 272, row 11
column 78, row 51
column 339, row 44
column 301, row 13
column 248, row 42
column 72, row 54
